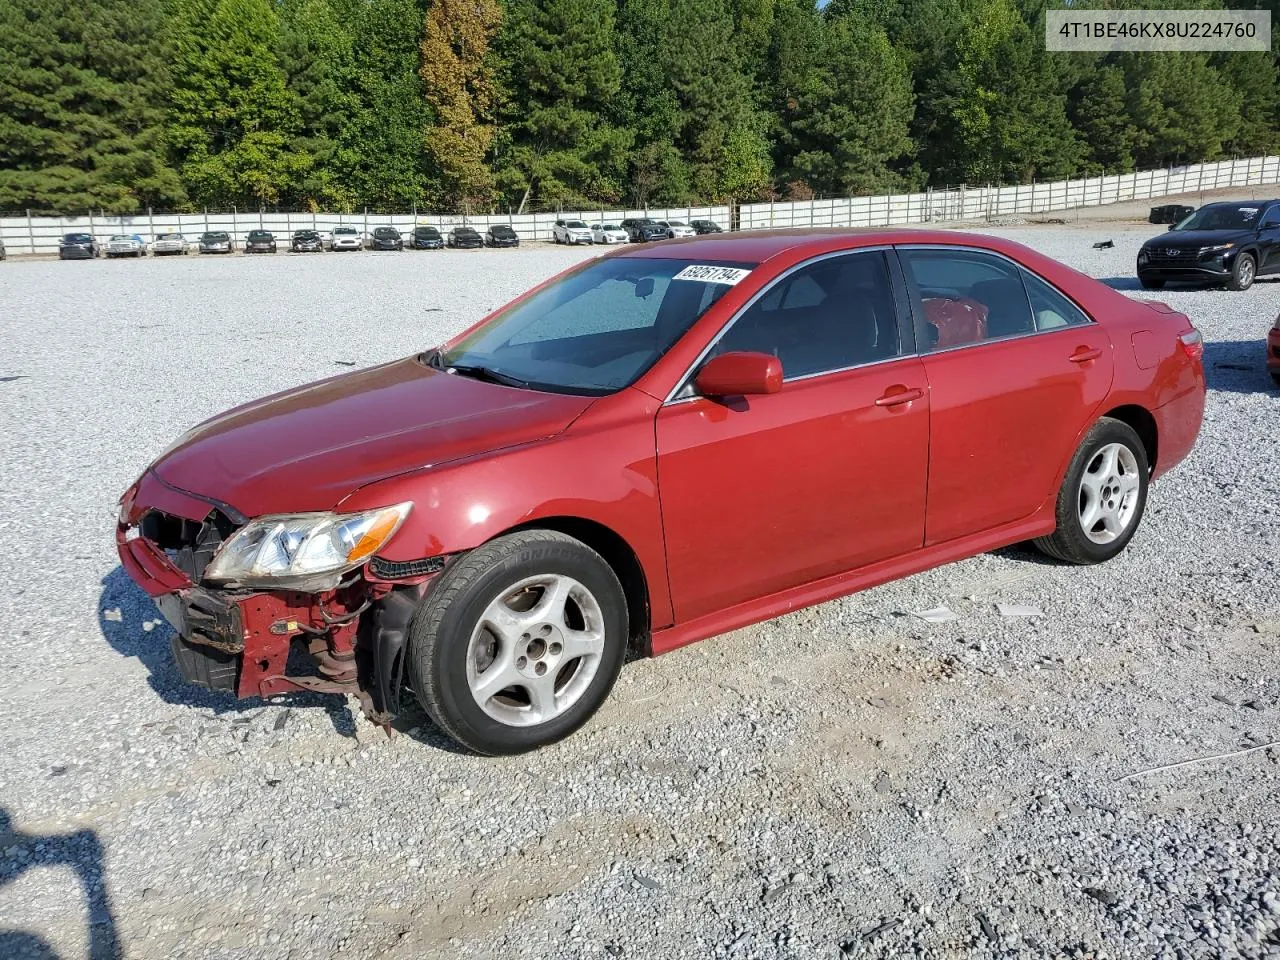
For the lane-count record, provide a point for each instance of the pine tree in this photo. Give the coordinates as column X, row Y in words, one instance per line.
column 1180, row 108
column 231, row 117
column 81, row 107
column 1098, row 114
column 458, row 76
column 852, row 121
column 315, row 53
column 383, row 153
column 1254, row 77
column 562, row 73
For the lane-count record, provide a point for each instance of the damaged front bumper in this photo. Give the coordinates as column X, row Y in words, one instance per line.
column 239, row 641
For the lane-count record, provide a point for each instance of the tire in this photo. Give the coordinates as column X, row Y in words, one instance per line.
column 1150, row 283
column 451, row 648
column 1096, row 479
column 1243, row 273
column 1275, row 378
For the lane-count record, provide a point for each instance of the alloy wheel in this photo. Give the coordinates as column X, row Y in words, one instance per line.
column 1109, row 491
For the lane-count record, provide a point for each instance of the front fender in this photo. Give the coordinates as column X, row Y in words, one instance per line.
column 603, row 469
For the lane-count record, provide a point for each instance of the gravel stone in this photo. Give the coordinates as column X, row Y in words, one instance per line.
column 179, row 833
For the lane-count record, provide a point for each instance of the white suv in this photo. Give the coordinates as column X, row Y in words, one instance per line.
column 347, row 238
column 676, row 228
column 571, row 231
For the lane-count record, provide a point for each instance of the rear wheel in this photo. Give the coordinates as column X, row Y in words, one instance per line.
column 519, row 643
column 1243, row 272
column 1102, row 498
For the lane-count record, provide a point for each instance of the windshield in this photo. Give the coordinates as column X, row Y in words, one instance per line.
column 1223, row 217
column 344, row 231
column 259, row 235
column 215, row 237
column 305, row 235
column 598, row 329
column 428, row 232
column 463, row 230
column 675, row 223
column 122, row 236
column 78, row 238
column 610, row 226
column 576, row 224
column 169, row 236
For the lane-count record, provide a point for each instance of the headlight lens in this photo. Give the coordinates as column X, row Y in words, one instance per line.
column 1216, row 249
column 304, row 545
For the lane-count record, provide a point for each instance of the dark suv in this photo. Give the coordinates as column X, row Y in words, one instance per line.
column 78, row 246
column 307, row 241
column 386, row 238
column 427, row 238
column 260, row 241
column 1227, row 243
column 641, row 229
column 501, row 235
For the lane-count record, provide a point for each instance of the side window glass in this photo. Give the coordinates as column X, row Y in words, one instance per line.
column 1271, row 218
column 1052, row 310
column 968, row 297
column 830, row 315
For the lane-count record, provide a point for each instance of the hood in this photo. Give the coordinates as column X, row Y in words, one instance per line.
column 1182, row 239
column 308, row 448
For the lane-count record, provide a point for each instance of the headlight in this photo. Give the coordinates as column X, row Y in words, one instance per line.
column 1216, row 249
column 1143, row 256
column 272, row 549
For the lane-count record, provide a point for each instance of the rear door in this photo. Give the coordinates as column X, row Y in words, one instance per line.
column 1269, row 241
column 1016, row 371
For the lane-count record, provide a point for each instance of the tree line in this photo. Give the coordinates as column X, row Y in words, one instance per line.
column 121, row 105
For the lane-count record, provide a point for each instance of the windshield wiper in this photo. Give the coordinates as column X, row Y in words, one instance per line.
column 486, row 373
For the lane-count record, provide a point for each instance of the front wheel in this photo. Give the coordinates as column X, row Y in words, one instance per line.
column 1102, row 498
column 519, row 643
column 1243, row 272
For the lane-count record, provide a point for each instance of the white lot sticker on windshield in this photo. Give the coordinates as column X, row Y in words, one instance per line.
column 711, row 274
column 1248, row 212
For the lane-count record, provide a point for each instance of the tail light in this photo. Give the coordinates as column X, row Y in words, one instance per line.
column 1192, row 345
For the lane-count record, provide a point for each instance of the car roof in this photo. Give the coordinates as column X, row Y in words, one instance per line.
column 757, row 246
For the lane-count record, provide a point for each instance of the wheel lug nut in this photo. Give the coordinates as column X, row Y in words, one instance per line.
column 545, row 630
column 555, row 649
column 522, row 663
column 540, row 669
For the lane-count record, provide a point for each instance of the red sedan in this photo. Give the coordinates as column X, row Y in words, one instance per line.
column 654, row 447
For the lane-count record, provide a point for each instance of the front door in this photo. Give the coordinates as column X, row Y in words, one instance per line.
column 1016, row 371
column 768, row 492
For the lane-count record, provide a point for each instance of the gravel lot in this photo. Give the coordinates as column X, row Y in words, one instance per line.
column 845, row 781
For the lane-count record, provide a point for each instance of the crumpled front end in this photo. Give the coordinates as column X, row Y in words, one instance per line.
column 240, row 640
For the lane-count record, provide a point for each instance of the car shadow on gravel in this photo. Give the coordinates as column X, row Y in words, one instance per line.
column 1124, row 284
column 1238, row 366
column 124, row 609
column 82, row 851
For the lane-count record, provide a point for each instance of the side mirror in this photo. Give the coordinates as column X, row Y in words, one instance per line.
column 739, row 374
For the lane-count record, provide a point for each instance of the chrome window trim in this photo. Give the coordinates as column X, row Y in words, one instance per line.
column 685, row 378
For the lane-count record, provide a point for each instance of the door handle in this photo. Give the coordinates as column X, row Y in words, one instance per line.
column 1085, row 354
column 898, row 394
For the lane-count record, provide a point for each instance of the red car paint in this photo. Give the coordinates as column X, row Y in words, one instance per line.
column 730, row 512
column 1273, row 350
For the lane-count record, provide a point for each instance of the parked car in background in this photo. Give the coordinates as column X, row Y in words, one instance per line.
column 260, row 241
column 78, row 246
column 4, row 254
column 346, row 238
column 1226, row 243
column 706, row 226
column 307, row 241
column 1273, row 351
column 427, row 238
column 501, row 235
column 168, row 244
column 607, row 233
column 385, row 238
column 465, row 238
column 642, row 229
column 216, row 241
column 570, row 231
column 126, row 245
column 495, row 523
column 677, row 229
